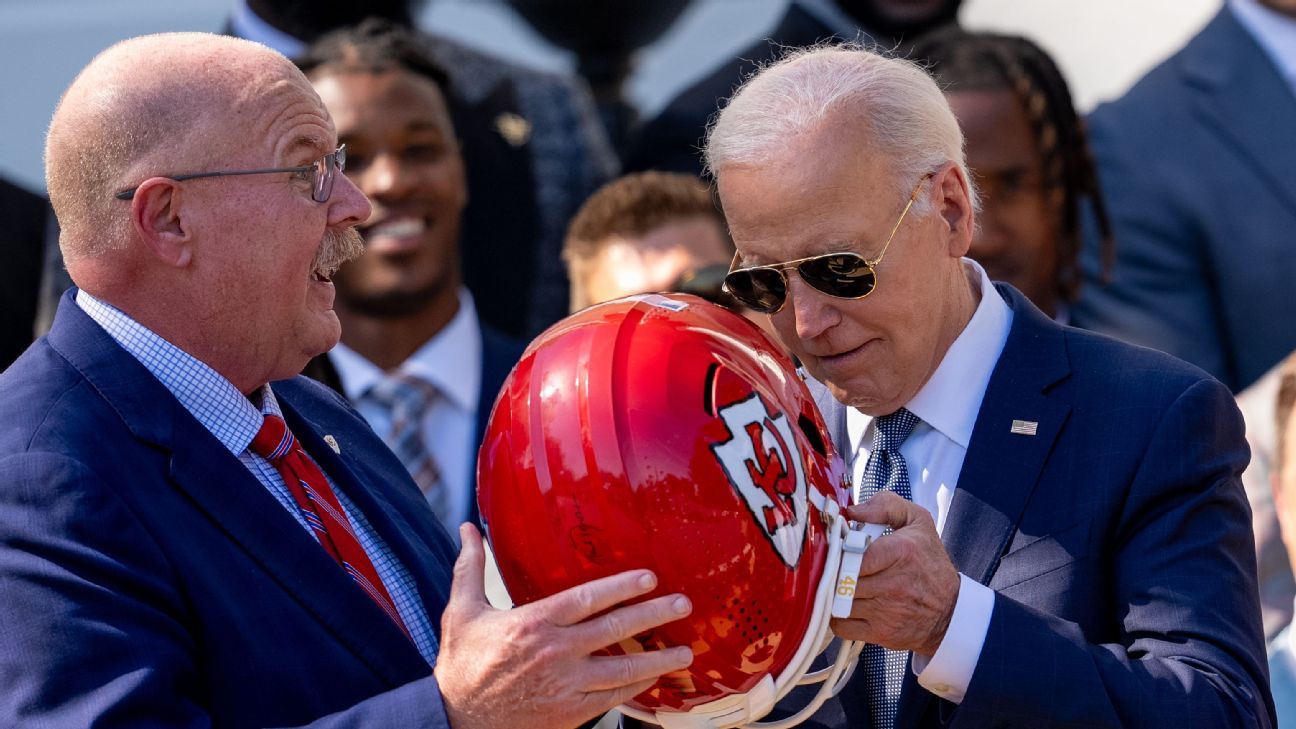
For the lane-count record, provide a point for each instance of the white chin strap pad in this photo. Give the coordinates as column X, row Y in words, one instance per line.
column 858, row 538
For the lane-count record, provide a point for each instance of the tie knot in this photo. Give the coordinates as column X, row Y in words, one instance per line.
column 404, row 392
column 274, row 440
column 889, row 431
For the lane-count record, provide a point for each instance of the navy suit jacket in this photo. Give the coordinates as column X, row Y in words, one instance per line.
column 1117, row 540
column 1196, row 167
column 499, row 353
column 147, row 578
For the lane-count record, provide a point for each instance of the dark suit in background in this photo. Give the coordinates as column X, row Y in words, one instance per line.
column 534, row 151
column 22, row 250
column 1197, row 168
column 671, row 140
column 1117, row 539
column 191, row 598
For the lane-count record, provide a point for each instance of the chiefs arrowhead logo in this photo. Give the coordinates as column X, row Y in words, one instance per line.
column 764, row 465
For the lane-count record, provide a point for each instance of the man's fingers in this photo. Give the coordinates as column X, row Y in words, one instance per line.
column 467, row 588
column 885, row 507
column 609, row 673
column 611, row 698
column 881, row 554
column 576, row 604
column 850, row 629
column 628, row 621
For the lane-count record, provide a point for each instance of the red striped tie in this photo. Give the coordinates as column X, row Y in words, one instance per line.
column 320, row 507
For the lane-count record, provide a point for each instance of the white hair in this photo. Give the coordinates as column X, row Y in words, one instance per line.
column 898, row 105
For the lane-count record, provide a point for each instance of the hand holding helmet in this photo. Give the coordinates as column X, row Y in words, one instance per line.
column 532, row 666
column 907, row 586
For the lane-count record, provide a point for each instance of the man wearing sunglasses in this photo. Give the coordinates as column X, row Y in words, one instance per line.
column 1071, row 545
column 190, row 535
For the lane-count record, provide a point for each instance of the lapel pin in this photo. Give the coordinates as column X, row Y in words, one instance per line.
column 515, row 130
column 332, row 443
column 1024, row 427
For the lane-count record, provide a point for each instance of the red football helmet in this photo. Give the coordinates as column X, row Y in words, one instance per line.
column 670, row 433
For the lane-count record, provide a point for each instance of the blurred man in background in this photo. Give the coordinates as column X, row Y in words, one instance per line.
column 1029, row 159
column 1282, row 649
column 644, row 232
column 1196, row 161
column 415, row 357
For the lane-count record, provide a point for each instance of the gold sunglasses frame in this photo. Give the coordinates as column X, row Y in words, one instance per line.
column 780, row 268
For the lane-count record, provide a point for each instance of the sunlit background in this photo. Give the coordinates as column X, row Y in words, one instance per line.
column 1102, row 46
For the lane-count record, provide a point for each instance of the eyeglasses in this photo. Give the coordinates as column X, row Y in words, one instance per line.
column 322, row 171
column 845, row 275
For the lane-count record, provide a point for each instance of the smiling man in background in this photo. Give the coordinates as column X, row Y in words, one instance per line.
column 415, row 359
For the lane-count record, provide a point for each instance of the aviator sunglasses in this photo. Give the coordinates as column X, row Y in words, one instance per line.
column 844, row 275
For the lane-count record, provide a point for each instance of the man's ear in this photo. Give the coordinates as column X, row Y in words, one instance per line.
column 952, row 197
column 156, row 216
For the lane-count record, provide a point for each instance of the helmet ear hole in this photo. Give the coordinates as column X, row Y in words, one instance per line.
column 813, row 434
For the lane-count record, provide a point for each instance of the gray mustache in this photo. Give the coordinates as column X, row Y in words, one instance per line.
column 338, row 247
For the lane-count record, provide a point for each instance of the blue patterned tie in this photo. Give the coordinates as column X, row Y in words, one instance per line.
column 407, row 399
column 886, row 470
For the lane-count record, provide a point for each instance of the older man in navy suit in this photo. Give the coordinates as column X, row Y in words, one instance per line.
column 188, row 539
column 1071, row 542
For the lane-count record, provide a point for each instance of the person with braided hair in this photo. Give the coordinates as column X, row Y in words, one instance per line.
column 1030, row 159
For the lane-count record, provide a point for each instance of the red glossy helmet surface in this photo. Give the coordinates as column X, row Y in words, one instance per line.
column 668, row 433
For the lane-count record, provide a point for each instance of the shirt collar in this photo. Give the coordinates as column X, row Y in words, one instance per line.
column 951, row 398
column 212, row 400
column 246, row 24
column 1275, row 32
column 450, row 361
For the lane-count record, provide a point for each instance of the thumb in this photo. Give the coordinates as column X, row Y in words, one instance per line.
column 468, row 588
column 884, row 507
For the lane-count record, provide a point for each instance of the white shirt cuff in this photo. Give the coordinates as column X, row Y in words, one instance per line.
column 949, row 672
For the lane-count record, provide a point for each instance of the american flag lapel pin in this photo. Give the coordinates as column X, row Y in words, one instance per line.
column 332, row 443
column 1024, row 427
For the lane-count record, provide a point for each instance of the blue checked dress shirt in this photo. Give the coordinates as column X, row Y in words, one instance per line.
column 229, row 416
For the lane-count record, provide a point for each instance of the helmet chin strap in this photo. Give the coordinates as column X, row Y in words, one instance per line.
column 834, row 595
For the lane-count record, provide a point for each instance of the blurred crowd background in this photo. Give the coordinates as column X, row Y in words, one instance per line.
column 1147, row 198
column 1102, row 45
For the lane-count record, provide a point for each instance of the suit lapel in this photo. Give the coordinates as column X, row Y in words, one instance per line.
column 222, row 488
column 1001, row 467
column 1242, row 97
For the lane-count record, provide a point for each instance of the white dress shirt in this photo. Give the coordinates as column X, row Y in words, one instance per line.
column 1275, row 32
column 452, row 362
column 947, row 406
